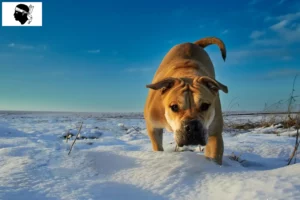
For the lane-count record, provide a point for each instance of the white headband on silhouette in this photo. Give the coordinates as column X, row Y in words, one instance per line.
column 21, row 10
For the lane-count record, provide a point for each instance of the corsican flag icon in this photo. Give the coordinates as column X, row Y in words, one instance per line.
column 21, row 13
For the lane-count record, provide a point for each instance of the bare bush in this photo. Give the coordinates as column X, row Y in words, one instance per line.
column 297, row 142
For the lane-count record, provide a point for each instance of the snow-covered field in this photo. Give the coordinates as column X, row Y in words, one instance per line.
column 113, row 160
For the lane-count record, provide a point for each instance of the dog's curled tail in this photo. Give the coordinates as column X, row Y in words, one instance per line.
column 204, row 42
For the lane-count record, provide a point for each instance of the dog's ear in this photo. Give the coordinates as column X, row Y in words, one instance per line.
column 211, row 83
column 164, row 84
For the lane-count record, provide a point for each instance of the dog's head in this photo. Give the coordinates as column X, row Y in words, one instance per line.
column 189, row 106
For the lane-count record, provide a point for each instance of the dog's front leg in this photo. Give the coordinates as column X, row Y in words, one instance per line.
column 214, row 149
column 215, row 146
column 156, row 137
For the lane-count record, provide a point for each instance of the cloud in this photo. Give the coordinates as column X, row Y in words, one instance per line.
column 281, row 2
column 266, row 42
column 179, row 12
column 94, row 51
column 267, row 52
column 279, row 25
column 286, row 29
column 287, row 58
column 27, row 47
column 253, row 2
column 287, row 72
column 268, row 18
column 280, row 73
column 139, row 69
column 289, row 16
column 20, row 46
column 289, row 34
column 250, row 54
column 224, row 32
column 44, row 47
column 257, row 34
column 216, row 22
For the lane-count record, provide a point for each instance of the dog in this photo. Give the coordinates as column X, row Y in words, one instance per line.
column 184, row 99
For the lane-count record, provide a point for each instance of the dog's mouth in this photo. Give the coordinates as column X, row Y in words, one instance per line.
column 201, row 142
column 192, row 133
column 183, row 141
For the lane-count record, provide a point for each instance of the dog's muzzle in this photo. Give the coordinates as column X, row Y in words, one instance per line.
column 192, row 133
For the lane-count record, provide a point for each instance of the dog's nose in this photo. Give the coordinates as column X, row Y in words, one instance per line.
column 192, row 126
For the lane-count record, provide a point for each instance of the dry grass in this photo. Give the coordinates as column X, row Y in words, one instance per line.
column 236, row 158
column 283, row 122
column 75, row 138
column 246, row 126
column 266, row 122
column 290, row 120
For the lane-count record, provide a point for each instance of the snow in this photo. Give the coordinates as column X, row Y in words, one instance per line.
column 112, row 159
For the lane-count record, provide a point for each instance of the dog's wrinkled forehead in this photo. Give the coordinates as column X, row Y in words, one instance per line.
column 178, row 84
column 204, row 83
column 188, row 87
column 188, row 95
column 181, row 94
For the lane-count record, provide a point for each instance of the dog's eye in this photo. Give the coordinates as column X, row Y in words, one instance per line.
column 174, row 108
column 204, row 106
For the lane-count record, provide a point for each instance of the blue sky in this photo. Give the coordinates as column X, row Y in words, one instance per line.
column 99, row 55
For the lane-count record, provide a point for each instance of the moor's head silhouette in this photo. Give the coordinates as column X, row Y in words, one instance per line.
column 23, row 13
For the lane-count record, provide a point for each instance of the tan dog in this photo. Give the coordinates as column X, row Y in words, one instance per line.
column 184, row 99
